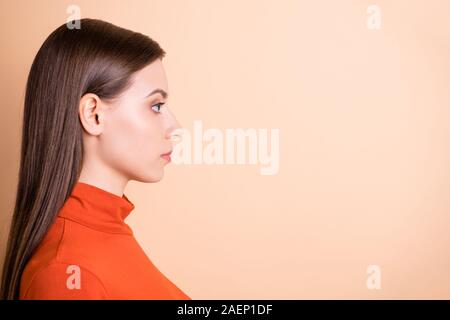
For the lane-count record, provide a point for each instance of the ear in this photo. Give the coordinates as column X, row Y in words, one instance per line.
column 90, row 113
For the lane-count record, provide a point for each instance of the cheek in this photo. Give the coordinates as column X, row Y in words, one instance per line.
column 132, row 142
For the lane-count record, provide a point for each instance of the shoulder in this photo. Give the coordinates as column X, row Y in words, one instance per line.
column 62, row 281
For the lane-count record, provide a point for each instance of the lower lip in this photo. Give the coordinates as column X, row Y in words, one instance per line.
column 166, row 157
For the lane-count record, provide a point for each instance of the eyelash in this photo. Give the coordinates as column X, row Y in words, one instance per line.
column 160, row 105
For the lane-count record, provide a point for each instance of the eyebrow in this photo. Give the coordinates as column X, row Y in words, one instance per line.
column 161, row 91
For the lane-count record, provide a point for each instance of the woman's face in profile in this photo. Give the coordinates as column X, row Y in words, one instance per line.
column 137, row 128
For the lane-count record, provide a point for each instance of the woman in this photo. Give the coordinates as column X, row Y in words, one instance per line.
column 95, row 117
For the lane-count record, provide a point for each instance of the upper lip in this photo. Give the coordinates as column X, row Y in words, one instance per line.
column 167, row 153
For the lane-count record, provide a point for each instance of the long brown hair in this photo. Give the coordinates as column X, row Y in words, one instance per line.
column 98, row 58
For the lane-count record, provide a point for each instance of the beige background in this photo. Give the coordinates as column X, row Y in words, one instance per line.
column 364, row 143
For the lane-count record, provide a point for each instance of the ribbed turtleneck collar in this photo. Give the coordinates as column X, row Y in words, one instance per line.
column 98, row 209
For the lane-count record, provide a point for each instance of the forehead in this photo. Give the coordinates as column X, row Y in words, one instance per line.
column 151, row 77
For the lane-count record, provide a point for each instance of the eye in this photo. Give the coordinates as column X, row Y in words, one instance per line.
column 158, row 106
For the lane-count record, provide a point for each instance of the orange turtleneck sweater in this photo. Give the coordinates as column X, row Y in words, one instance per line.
column 89, row 252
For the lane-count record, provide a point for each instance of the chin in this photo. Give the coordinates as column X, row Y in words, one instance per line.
column 151, row 177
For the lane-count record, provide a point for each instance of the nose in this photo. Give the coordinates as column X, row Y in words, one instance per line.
column 174, row 129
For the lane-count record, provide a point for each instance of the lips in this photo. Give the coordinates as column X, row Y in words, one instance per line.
column 166, row 156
